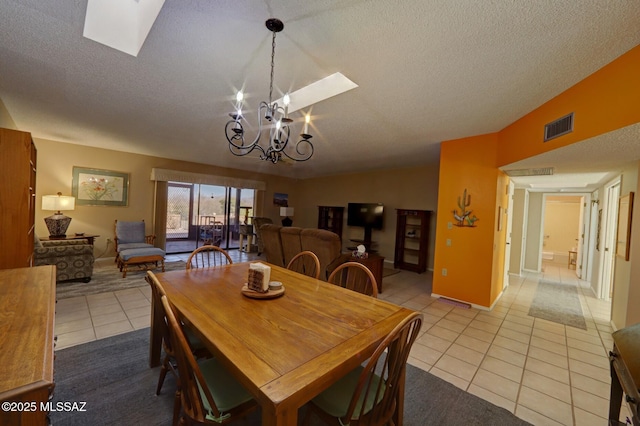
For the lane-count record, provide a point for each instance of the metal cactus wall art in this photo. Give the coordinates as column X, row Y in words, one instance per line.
column 463, row 217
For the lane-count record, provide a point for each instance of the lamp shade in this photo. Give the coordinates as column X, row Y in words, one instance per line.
column 58, row 202
column 286, row 211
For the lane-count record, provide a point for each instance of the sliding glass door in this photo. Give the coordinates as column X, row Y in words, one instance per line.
column 199, row 214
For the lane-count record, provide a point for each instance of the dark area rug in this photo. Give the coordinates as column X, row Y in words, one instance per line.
column 559, row 303
column 113, row 377
column 107, row 277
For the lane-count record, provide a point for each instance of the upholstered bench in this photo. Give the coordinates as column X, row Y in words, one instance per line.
column 140, row 257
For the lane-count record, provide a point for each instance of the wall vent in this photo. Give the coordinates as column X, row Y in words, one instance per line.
column 541, row 171
column 559, row 127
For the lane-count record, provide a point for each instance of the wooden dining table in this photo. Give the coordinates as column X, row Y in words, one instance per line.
column 284, row 350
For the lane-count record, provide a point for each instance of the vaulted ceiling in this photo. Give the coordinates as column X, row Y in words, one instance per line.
column 427, row 71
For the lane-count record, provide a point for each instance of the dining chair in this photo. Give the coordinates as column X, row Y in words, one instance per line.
column 209, row 394
column 355, row 276
column 169, row 362
column 307, row 263
column 368, row 395
column 208, row 256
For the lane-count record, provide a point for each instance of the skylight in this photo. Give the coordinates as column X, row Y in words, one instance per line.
column 320, row 90
column 121, row 24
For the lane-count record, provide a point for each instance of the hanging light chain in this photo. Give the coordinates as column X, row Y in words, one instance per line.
column 273, row 55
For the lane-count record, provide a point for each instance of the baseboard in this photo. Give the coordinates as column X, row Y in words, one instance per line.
column 473, row 305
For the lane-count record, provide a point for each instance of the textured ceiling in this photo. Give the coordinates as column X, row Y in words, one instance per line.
column 427, row 71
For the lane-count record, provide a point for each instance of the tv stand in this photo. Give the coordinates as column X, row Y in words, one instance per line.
column 367, row 237
column 366, row 242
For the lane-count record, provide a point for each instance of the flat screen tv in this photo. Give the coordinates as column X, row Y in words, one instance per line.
column 367, row 215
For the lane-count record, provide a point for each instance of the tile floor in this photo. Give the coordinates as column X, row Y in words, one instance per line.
column 543, row 372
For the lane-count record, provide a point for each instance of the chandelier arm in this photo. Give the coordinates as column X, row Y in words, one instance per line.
column 305, row 157
column 244, row 151
column 240, row 135
column 283, row 139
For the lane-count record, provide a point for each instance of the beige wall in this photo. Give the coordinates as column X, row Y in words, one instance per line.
column 561, row 217
column 408, row 188
column 411, row 188
column 55, row 165
column 626, row 292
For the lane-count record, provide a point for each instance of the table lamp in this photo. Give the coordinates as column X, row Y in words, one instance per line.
column 286, row 212
column 58, row 223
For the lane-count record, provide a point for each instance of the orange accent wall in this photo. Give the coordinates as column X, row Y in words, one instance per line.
column 607, row 100
column 470, row 164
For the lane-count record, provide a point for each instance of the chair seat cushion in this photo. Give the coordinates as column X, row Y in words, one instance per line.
column 336, row 398
column 227, row 392
column 127, row 255
column 130, row 246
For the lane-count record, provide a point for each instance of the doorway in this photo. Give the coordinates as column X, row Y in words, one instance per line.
column 199, row 214
column 562, row 241
column 607, row 243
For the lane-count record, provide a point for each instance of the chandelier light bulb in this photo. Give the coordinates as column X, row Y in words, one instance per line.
column 239, row 96
column 286, row 100
column 307, row 119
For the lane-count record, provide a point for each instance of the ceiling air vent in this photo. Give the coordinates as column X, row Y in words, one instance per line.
column 557, row 128
column 542, row 171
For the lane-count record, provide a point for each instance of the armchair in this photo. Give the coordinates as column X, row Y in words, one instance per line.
column 131, row 235
column 73, row 258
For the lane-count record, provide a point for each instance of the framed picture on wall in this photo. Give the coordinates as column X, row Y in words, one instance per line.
column 625, row 212
column 96, row 187
column 280, row 199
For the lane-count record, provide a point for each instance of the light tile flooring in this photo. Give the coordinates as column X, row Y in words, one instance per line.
column 543, row 372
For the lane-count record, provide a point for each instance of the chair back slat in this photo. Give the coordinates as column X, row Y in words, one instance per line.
column 190, row 374
column 157, row 291
column 306, row 263
column 380, row 378
column 355, row 276
column 208, row 256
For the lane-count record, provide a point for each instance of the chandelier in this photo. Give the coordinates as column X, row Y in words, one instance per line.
column 276, row 119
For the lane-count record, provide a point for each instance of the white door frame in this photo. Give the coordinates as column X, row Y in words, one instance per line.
column 507, row 251
column 608, row 237
column 523, row 241
column 592, row 204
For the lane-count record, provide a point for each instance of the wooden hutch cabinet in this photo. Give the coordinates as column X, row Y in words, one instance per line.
column 17, row 198
column 412, row 240
column 330, row 218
